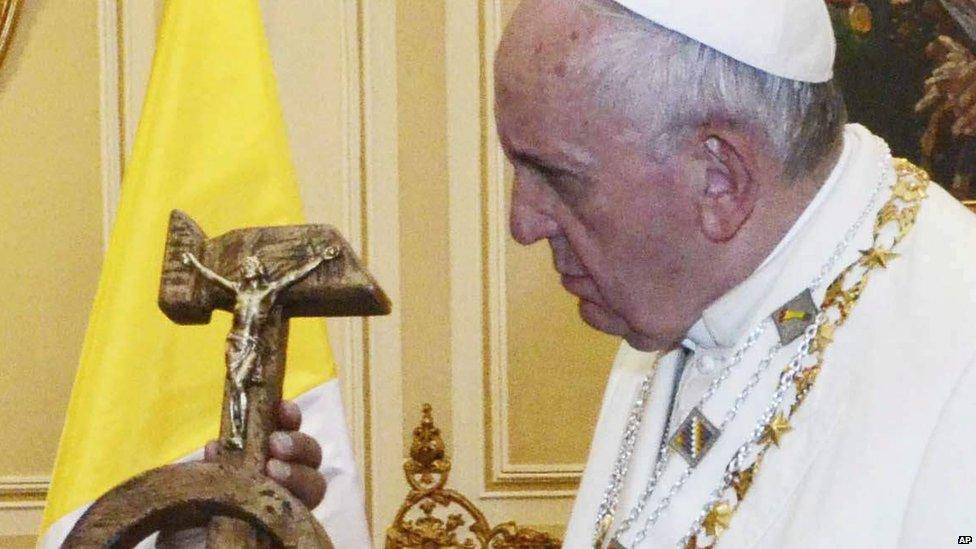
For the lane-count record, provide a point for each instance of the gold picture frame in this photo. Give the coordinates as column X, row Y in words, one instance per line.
column 8, row 14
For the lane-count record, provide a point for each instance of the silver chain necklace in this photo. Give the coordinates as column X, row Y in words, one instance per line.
column 608, row 505
column 743, row 452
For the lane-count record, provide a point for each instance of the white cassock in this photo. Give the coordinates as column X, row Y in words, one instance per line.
column 883, row 451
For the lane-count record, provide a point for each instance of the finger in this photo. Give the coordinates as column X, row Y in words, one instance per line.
column 211, row 451
column 289, row 416
column 305, row 483
column 296, row 447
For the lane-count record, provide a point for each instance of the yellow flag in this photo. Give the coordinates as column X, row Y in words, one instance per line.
column 212, row 143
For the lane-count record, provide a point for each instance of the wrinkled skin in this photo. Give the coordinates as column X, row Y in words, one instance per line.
column 645, row 238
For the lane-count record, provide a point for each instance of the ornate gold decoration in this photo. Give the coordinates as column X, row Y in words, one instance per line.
column 877, row 258
column 433, row 516
column 742, row 481
column 806, row 379
column 718, row 519
column 825, row 336
column 894, row 221
column 776, row 428
column 909, row 192
column 8, row 14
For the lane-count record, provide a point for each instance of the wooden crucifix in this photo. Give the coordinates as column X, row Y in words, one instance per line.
column 263, row 276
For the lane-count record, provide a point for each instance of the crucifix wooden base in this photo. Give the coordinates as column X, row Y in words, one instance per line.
column 263, row 276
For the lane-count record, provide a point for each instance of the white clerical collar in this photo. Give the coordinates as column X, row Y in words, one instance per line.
column 794, row 262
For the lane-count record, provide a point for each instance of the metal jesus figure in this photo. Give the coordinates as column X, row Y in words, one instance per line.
column 254, row 297
column 232, row 494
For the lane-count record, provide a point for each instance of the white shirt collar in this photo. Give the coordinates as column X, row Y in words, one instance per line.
column 801, row 253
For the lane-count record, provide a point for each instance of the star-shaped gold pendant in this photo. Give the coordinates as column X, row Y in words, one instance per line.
column 718, row 519
column 877, row 257
column 776, row 428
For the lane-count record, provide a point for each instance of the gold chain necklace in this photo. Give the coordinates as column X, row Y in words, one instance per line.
column 893, row 222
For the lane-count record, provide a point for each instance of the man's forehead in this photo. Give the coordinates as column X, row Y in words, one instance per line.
column 546, row 31
column 543, row 55
column 547, row 93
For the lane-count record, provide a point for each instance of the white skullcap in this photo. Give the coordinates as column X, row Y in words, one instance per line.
column 789, row 38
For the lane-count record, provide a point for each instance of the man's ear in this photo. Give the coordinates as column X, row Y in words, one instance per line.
column 728, row 194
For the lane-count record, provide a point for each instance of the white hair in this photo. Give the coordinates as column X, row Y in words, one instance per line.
column 675, row 83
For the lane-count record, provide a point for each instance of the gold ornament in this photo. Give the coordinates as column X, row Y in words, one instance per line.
column 877, row 257
column 886, row 215
column 776, row 428
column 718, row 519
column 906, row 218
column 825, row 336
column 446, row 517
column 908, row 192
column 806, row 378
column 860, row 17
column 742, row 481
column 841, row 297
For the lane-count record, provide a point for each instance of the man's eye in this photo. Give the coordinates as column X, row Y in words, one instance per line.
column 566, row 186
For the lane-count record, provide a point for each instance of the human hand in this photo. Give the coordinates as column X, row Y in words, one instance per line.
column 294, row 456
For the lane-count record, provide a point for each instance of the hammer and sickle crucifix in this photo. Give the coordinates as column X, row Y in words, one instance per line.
column 254, row 297
column 263, row 276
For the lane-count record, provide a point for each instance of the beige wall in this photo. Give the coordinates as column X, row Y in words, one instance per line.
column 50, row 234
column 423, row 190
column 389, row 110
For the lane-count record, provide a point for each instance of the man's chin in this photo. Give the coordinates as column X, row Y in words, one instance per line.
column 600, row 318
column 647, row 344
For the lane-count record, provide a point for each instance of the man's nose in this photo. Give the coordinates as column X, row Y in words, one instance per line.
column 529, row 220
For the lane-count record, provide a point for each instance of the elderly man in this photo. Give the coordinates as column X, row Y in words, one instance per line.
column 797, row 308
